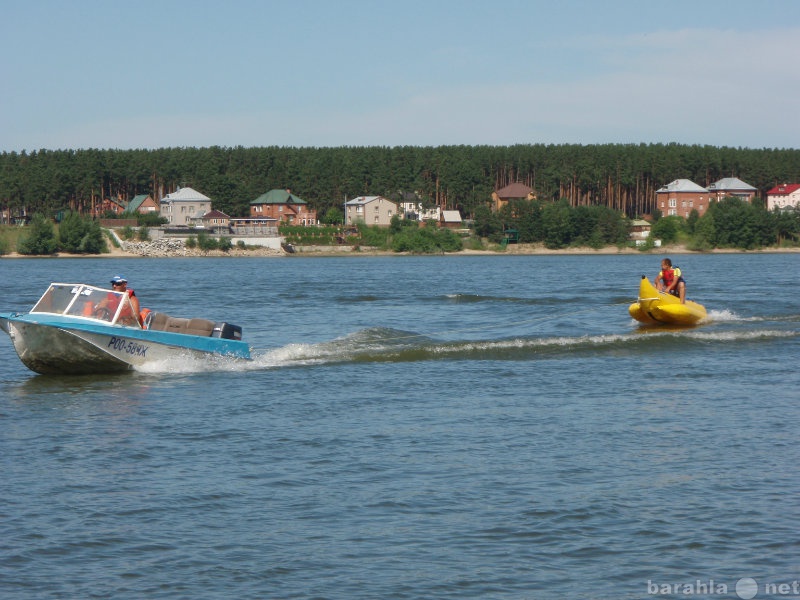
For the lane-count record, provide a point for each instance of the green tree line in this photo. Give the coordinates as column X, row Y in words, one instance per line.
column 622, row 177
column 75, row 234
column 729, row 223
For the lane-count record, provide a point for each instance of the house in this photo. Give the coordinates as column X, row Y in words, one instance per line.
column 258, row 227
column 284, row 207
column 451, row 219
column 681, row 197
column 372, row 210
column 733, row 187
column 185, row 206
column 639, row 231
column 109, row 205
column 414, row 211
column 142, row 204
column 515, row 191
column 217, row 221
column 784, row 196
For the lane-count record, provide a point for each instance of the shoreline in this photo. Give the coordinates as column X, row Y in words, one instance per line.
column 326, row 251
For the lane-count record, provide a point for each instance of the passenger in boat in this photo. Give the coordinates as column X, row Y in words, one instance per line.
column 670, row 280
column 130, row 312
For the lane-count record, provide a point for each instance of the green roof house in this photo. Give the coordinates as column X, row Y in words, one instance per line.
column 142, row 204
column 283, row 206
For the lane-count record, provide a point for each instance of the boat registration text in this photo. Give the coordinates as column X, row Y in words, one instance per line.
column 128, row 346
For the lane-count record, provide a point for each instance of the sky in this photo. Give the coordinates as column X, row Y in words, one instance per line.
column 330, row 73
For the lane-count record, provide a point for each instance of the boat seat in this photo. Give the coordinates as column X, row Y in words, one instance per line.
column 202, row 327
column 157, row 321
column 176, row 325
column 163, row 322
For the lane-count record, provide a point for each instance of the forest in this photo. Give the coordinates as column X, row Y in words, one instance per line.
column 621, row 177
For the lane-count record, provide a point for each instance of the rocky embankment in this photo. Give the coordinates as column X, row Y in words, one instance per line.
column 171, row 247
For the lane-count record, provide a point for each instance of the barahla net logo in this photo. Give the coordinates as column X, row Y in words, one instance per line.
column 746, row 588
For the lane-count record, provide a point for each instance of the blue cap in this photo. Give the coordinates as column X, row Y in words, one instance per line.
column 118, row 279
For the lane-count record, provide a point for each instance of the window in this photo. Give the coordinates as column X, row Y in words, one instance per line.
column 673, row 202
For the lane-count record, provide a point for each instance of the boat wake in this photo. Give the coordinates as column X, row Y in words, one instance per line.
column 374, row 345
column 728, row 316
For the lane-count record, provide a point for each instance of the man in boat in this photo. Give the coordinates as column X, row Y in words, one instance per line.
column 130, row 312
column 671, row 281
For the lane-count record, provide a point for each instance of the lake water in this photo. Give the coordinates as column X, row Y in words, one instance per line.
column 414, row 427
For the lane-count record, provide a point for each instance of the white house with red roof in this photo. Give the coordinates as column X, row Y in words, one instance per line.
column 786, row 195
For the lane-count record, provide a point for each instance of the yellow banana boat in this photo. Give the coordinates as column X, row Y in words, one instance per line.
column 656, row 307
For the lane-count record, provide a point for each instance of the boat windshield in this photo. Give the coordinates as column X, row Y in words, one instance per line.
column 80, row 300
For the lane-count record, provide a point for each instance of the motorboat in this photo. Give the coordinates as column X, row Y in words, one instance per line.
column 655, row 307
column 76, row 328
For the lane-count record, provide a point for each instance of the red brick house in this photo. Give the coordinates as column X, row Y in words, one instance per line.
column 732, row 187
column 515, row 191
column 681, row 197
column 114, row 205
column 216, row 220
column 283, row 206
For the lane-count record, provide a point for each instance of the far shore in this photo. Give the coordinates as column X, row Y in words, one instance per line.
column 327, row 251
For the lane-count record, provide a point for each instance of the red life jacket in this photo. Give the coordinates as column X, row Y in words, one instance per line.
column 668, row 275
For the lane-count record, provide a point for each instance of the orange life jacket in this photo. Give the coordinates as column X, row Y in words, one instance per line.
column 127, row 310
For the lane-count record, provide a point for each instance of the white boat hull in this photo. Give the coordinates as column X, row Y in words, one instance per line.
column 53, row 350
column 66, row 334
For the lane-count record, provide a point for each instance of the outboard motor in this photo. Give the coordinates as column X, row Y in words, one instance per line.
column 227, row 331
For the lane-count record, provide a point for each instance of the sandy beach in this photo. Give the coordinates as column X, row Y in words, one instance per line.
column 327, row 251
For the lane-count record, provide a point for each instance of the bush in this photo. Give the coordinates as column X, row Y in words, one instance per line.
column 144, row 234
column 377, row 237
column 667, row 229
column 303, row 235
column 152, row 219
column 224, row 244
column 41, row 238
column 93, row 241
column 205, row 242
column 81, row 236
column 426, row 240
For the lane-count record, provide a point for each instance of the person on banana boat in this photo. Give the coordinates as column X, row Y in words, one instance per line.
column 671, row 280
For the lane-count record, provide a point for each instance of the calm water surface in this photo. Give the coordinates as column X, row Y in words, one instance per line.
column 432, row 427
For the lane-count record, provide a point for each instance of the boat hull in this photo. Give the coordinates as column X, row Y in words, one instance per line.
column 59, row 346
column 656, row 308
